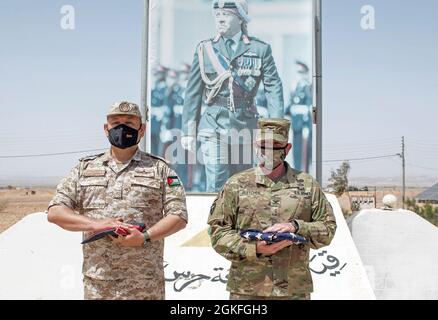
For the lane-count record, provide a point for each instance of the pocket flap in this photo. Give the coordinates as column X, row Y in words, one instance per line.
column 93, row 181
column 94, row 172
column 146, row 182
column 144, row 173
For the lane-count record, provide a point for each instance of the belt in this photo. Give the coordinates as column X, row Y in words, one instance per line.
column 239, row 103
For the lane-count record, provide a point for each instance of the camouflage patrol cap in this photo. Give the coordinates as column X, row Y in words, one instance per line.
column 273, row 129
column 124, row 108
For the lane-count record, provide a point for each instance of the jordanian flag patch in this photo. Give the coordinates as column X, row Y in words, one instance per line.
column 173, row 181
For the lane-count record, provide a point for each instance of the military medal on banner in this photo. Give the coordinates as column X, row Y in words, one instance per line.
column 240, row 65
column 257, row 66
column 250, row 83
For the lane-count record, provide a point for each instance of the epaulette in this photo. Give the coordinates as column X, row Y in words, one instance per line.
column 155, row 157
column 92, row 157
column 257, row 39
column 203, row 41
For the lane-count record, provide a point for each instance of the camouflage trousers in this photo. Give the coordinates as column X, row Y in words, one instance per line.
column 123, row 289
column 301, row 296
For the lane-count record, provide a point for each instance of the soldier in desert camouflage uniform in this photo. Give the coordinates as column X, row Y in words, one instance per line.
column 272, row 197
column 114, row 188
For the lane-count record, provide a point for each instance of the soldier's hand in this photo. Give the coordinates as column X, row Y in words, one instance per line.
column 188, row 143
column 281, row 227
column 134, row 239
column 102, row 224
column 263, row 248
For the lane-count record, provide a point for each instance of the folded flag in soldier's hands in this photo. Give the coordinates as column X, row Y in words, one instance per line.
column 115, row 232
column 272, row 237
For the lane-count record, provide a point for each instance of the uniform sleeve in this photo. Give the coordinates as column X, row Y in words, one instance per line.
column 193, row 98
column 321, row 230
column 273, row 86
column 174, row 201
column 225, row 239
column 66, row 191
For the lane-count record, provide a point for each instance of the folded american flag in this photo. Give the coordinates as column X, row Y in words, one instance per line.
column 272, row 237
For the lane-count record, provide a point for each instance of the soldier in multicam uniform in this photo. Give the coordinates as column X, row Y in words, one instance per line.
column 272, row 197
column 112, row 189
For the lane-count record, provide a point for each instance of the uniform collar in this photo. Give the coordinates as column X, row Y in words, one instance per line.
column 291, row 173
column 110, row 162
column 137, row 155
column 261, row 178
column 107, row 156
column 236, row 38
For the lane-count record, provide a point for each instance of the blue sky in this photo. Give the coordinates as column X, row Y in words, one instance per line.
column 55, row 85
column 380, row 85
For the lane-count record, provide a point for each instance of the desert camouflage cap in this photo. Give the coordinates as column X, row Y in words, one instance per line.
column 124, row 108
column 273, row 129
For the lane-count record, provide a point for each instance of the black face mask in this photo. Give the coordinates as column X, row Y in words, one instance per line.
column 123, row 136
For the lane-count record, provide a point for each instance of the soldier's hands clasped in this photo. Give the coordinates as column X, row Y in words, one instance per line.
column 264, row 248
column 134, row 239
column 281, row 227
column 108, row 223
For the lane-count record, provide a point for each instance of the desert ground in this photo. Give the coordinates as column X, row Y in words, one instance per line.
column 16, row 203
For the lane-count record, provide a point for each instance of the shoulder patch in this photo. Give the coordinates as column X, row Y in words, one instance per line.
column 213, row 206
column 173, row 181
column 92, row 157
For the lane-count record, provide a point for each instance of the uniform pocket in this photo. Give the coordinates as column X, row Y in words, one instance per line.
column 146, row 182
column 299, row 279
column 145, row 192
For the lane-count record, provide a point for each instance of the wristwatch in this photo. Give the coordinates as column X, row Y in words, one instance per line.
column 147, row 239
column 296, row 225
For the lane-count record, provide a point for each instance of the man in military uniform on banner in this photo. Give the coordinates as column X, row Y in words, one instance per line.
column 119, row 190
column 299, row 110
column 261, row 204
column 219, row 107
column 160, row 113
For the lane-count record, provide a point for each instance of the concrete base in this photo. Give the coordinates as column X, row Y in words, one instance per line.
column 42, row 261
column 400, row 252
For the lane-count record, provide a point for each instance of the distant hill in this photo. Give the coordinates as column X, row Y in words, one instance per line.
column 30, row 181
column 411, row 181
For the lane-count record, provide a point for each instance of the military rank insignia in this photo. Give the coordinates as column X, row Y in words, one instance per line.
column 173, row 181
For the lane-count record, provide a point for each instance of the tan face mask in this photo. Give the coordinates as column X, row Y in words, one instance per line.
column 271, row 158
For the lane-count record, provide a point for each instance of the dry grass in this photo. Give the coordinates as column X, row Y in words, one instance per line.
column 15, row 204
column 3, row 204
